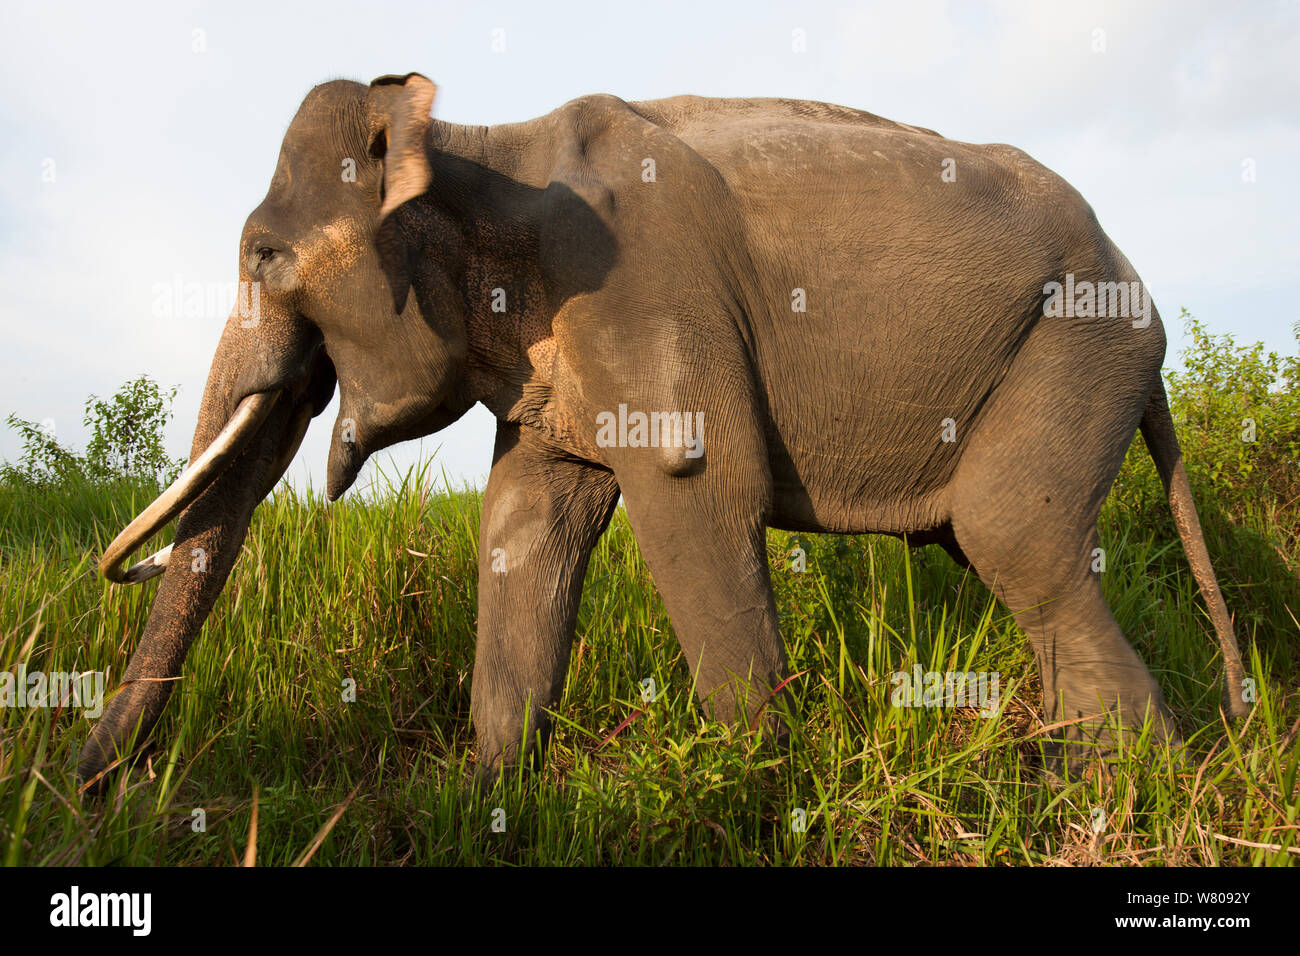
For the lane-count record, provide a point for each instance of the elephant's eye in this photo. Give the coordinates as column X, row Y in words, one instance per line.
column 264, row 253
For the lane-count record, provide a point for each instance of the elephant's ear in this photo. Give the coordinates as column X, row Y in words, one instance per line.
column 398, row 110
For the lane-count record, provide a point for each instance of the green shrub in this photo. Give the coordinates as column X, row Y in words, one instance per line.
column 126, row 442
column 1237, row 411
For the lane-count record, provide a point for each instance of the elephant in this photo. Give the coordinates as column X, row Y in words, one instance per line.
column 734, row 315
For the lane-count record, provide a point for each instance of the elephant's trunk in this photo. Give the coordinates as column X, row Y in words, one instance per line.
column 208, row 539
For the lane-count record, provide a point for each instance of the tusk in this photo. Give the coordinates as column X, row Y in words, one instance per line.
column 150, row 567
column 156, row 563
column 252, row 411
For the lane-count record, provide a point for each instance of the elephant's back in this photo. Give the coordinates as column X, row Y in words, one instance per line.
column 685, row 115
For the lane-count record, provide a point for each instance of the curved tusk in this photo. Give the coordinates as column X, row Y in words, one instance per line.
column 252, row 411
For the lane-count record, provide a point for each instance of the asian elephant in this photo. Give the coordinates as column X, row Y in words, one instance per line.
column 736, row 314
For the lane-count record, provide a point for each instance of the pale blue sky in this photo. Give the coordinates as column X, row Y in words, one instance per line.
column 160, row 152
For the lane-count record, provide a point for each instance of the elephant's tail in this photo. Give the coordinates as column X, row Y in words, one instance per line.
column 1162, row 442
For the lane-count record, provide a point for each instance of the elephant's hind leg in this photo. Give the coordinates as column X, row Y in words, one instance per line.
column 1024, row 505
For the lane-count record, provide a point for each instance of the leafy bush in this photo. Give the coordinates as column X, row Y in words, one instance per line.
column 43, row 460
column 126, row 441
column 1237, row 412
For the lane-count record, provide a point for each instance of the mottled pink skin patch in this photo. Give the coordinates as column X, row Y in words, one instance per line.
column 330, row 250
column 541, row 354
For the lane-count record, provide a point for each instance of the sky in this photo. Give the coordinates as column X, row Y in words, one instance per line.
column 134, row 142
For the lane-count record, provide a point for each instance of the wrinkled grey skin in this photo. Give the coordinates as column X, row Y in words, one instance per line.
column 676, row 292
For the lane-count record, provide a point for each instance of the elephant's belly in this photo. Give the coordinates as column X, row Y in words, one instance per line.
column 844, row 501
column 865, row 427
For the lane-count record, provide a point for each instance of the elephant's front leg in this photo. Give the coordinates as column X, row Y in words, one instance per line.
column 703, row 536
column 542, row 515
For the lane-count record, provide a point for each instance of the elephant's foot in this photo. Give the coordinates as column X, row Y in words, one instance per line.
column 1090, row 744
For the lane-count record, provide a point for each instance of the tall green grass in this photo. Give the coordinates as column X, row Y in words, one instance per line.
column 382, row 591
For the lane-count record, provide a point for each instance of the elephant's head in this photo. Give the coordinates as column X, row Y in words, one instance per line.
column 343, row 279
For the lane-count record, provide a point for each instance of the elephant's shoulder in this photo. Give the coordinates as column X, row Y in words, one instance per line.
column 616, row 182
column 602, row 139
